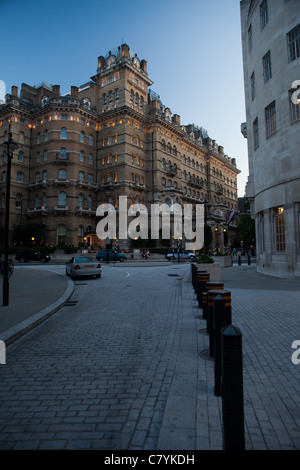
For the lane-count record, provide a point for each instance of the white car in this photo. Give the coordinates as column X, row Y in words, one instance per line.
column 83, row 266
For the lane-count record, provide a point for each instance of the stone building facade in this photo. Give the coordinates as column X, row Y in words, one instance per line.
column 271, row 55
column 108, row 138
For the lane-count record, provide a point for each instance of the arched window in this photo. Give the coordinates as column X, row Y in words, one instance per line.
column 63, row 133
column 81, row 156
column 62, row 199
column 175, row 168
column 169, row 148
column 61, row 233
column 163, row 145
column 82, row 136
column 163, row 181
column 45, row 135
column 80, row 234
column 163, row 163
column 63, row 153
column 174, row 151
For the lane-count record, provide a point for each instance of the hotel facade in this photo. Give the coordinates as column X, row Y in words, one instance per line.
column 271, row 55
column 108, row 138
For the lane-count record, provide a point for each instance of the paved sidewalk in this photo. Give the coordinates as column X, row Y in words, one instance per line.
column 265, row 309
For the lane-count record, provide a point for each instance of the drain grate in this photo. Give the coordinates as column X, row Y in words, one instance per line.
column 71, row 303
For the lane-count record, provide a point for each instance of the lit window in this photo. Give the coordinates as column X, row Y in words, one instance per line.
column 279, row 230
column 21, row 138
column 61, row 233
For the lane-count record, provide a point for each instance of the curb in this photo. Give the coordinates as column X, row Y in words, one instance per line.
column 15, row 332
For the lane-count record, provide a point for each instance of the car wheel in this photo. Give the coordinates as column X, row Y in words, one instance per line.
column 121, row 260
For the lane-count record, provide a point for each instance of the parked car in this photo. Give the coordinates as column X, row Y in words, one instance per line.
column 113, row 255
column 23, row 256
column 186, row 256
column 83, row 266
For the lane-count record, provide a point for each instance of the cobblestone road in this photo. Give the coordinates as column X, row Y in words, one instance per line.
column 97, row 374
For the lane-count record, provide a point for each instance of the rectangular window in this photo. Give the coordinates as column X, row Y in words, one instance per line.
column 253, row 91
column 267, row 66
column 255, row 134
column 270, row 115
column 250, row 38
column 279, row 230
column 294, row 100
column 294, row 44
column 264, row 14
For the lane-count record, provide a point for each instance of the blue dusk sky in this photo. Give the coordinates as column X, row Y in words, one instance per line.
column 192, row 48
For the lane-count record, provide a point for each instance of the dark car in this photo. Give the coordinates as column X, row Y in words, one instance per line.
column 23, row 256
column 113, row 255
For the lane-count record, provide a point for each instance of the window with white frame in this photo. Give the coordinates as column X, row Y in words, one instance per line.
column 63, row 133
column 62, row 199
column 63, row 153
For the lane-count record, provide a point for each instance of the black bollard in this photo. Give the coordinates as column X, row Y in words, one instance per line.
column 232, row 389
column 222, row 317
column 204, row 305
column 202, row 278
column 211, row 286
column 249, row 260
column 239, row 260
column 194, row 270
column 210, row 320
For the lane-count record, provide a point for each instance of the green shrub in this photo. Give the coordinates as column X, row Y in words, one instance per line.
column 205, row 259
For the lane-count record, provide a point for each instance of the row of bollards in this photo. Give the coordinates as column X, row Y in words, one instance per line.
column 225, row 346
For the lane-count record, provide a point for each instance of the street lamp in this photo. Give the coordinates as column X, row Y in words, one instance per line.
column 10, row 145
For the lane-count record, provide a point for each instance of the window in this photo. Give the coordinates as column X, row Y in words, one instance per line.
column 163, row 163
column 163, row 181
column 264, row 14
column 44, row 200
column 267, row 67
column 37, row 201
column 81, row 156
column 21, row 157
column 250, row 38
column 62, row 174
column 37, row 177
column 81, row 176
column 46, row 135
column 80, row 200
column 38, row 157
column 253, row 91
column 20, row 177
column 21, row 138
column 90, row 178
column 61, row 233
column 294, row 106
column 3, row 176
column 45, row 175
column 62, row 198
column 89, row 202
column 270, row 114
column 294, row 44
column 19, row 201
column 45, row 155
column 279, row 230
column 90, row 159
column 91, row 140
column 82, row 136
column 255, row 134
column 63, row 153
column 63, row 133
column 38, row 138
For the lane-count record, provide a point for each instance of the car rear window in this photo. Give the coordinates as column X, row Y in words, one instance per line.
column 84, row 260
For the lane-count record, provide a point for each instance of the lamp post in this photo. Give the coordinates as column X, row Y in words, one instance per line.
column 10, row 145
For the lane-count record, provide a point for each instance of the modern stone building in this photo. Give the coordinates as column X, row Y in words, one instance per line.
column 271, row 53
column 108, row 138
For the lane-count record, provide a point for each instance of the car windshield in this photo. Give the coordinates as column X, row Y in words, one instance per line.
column 84, row 260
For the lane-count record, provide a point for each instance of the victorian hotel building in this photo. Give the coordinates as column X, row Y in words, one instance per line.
column 110, row 137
